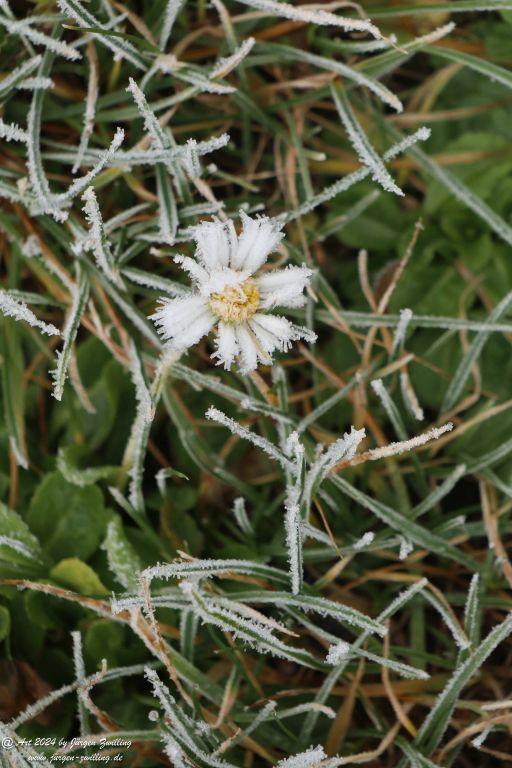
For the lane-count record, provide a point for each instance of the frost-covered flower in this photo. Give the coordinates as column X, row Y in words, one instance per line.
column 232, row 294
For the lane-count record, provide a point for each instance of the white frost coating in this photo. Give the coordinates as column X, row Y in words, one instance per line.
column 174, row 752
column 422, row 134
column 19, row 74
column 471, row 607
column 172, row 9
column 254, row 633
column 35, row 84
column 79, row 295
column 90, row 111
column 237, row 429
column 79, row 185
column 343, row 449
column 293, row 528
column 78, row 662
column 365, row 540
column 19, row 311
column 151, row 123
column 313, row 16
column 338, row 653
column 241, row 517
column 190, row 160
column 18, row 546
column 401, row 329
column 409, row 396
column 203, row 83
column 308, row 759
column 366, row 153
column 229, row 63
column 406, row 547
column 136, row 449
column 12, row 132
column 407, row 445
column 479, row 740
column 121, row 48
column 97, row 241
column 142, row 394
column 39, row 38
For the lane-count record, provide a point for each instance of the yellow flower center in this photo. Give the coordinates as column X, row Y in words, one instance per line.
column 236, row 303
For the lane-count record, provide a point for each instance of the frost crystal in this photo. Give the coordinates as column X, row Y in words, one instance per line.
column 338, row 653
column 308, row 759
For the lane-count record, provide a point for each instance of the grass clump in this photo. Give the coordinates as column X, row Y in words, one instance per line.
column 299, row 558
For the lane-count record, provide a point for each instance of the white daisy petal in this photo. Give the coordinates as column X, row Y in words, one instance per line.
column 284, row 287
column 201, row 326
column 248, row 349
column 220, row 279
column 266, row 340
column 178, row 320
column 216, row 242
column 195, row 270
column 227, row 345
column 278, row 327
column 259, row 238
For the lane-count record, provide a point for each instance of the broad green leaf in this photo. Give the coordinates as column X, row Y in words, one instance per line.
column 67, row 459
column 103, row 640
column 78, row 576
column 68, row 520
column 17, row 542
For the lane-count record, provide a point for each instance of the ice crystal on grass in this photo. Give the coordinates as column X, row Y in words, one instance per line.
column 12, row 132
column 233, row 295
column 311, row 758
column 362, row 146
column 97, row 241
column 172, row 9
column 39, row 38
column 226, row 65
column 313, row 16
column 338, row 653
column 11, row 307
column 365, row 540
column 393, row 449
column 401, row 329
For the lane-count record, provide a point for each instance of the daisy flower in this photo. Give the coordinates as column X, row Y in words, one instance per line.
column 233, row 295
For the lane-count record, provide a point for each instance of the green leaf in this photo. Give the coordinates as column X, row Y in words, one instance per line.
column 145, row 45
column 78, row 576
column 13, row 388
column 438, row 720
column 422, row 537
column 463, row 372
column 103, row 640
column 488, row 69
column 5, row 622
column 67, row 459
column 69, row 521
column 123, row 561
column 20, row 541
column 459, row 6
